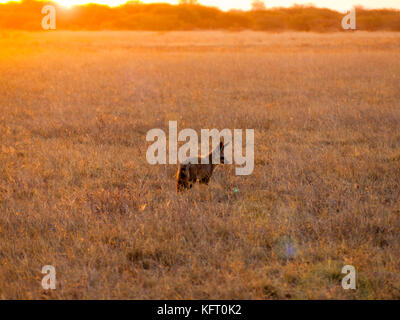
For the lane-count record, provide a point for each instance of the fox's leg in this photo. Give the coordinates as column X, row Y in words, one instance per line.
column 182, row 186
column 205, row 180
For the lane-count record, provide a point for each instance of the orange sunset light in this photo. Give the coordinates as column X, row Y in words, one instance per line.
column 341, row 5
column 111, row 3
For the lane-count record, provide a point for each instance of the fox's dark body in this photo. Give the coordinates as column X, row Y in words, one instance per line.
column 190, row 173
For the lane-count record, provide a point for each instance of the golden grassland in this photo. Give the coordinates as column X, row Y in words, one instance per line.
column 77, row 192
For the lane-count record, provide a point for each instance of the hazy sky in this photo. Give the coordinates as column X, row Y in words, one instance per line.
column 341, row 5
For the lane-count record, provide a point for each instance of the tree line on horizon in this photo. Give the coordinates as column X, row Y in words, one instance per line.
column 27, row 15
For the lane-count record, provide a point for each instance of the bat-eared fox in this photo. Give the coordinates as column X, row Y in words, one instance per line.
column 190, row 173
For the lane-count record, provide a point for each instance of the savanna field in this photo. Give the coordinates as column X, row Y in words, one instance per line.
column 76, row 191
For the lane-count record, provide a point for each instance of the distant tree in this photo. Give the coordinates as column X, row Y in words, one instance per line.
column 257, row 5
column 191, row 2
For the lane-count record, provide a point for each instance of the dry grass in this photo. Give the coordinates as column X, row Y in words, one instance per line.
column 76, row 190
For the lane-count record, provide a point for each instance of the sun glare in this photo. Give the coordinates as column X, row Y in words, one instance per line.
column 70, row 3
column 246, row 4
